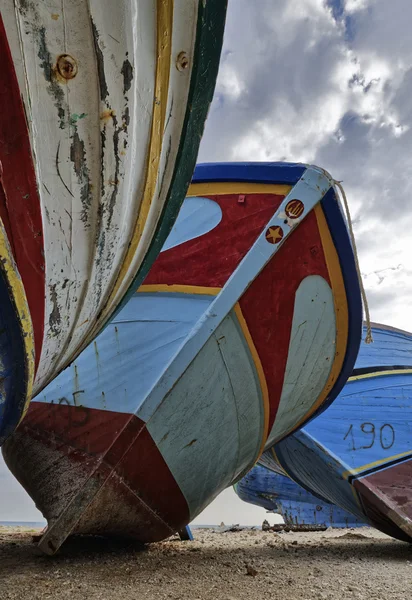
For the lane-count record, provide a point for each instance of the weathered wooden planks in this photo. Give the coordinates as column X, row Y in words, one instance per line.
column 102, row 110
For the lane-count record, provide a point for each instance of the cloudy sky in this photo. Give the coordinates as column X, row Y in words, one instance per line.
column 330, row 83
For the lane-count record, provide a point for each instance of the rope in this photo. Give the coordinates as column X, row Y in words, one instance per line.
column 368, row 337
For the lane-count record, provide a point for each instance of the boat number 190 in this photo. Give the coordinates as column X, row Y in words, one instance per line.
column 369, row 434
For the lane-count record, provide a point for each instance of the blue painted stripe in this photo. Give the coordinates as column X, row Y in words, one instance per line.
column 340, row 236
column 390, row 347
column 13, row 363
column 253, row 172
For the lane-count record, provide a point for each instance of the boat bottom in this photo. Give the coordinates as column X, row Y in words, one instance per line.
column 124, row 490
column 386, row 498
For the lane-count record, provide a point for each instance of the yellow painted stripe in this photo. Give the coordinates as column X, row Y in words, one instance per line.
column 355, row 495
column 261, row 375
column 180, row 289
column 278, row 463
column 22, row 309
column 164, row 48
column 341, row 309
column 376, row 463
column 232, row 187
column 381, row 374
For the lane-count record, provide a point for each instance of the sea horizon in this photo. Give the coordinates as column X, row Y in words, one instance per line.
column 23, row 523
column 41, row 524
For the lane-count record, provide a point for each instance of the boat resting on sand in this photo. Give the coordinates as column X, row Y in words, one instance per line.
column 206, row 365
column 358, row 454
column 277, row 493
column 102, row 110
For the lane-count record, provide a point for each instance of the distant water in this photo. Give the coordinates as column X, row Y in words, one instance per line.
column 41, row 524
column 193, row 526
column 31, row 524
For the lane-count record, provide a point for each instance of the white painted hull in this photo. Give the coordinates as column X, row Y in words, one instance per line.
column 108, row 90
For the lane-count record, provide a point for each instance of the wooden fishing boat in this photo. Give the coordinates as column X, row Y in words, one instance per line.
column 206, row 365
column 102, row 110
column 278, row 493
column 358, row 453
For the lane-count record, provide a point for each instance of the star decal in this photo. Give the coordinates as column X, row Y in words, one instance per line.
column 274, row 234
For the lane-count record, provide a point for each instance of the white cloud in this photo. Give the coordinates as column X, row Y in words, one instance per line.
column 229, row 83
column 352, row 6
column 336, row 92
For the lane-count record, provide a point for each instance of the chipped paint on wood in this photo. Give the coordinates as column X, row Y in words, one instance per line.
column 108, row 121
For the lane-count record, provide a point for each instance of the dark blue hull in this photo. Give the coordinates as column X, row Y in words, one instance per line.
column 280, row 494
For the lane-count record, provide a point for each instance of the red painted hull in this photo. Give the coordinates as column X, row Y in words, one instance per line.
column 19, row 200
column 267, row 305
column 140, row 498
column 386, row 499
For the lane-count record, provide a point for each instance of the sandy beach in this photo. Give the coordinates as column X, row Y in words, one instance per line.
column 249, row 564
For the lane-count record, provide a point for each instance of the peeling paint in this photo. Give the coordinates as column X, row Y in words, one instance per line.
column 83, row 185
column 54, row 88
column 75, row 117
column 78, row 158
column 126, row 122
column 107, row 115
column 104, row 92
column 55, row 316
column 127, row 72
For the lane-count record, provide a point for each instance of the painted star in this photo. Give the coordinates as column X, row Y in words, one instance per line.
column 274, row 235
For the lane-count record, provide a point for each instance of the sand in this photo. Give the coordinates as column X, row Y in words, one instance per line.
column 252, row 565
